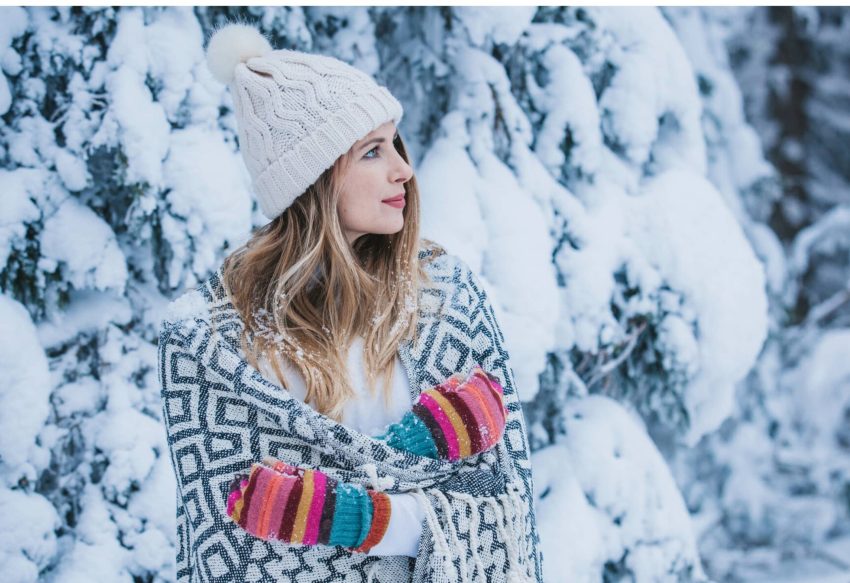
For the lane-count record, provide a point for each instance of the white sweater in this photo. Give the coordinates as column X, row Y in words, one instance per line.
column 367, row 414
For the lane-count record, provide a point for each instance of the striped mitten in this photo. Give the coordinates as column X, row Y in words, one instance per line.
column 306, row 507
column 456, row 419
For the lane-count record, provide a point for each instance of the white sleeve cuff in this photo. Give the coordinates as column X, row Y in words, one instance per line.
column 405, row 528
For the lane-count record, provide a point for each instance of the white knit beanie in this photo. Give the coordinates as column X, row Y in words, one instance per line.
column 296, row 112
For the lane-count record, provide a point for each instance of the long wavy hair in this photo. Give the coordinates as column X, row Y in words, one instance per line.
column 304, row 293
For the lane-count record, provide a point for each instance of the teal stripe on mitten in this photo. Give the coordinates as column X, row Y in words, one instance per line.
column 352, row 516
column 410, row 434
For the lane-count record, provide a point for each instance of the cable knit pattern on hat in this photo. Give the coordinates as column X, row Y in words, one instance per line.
column 296, row 114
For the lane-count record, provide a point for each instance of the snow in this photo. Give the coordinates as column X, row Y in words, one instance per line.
column 134, row 118
column 606, row 475
column 205, row 221
column 141, row 125
column 807, row 240
column 516, row 263
column 16, row 206
column 97, row 553
column 595, row 168
column 588, row 270
column 736, row 159
column 509, row 244
column 698, row 248
column 72, row 170
column 769, row 249
column 14, row 23
column 147, row 504
column 821, row 565
column 500, row 27
column 187, row 307
column 570, row 106
column 651, row 106
column 484, row 97
column 683, row 228
column 83, row 396
column 125, row 433
column 560, row 495
column 823, row 405
column 34, row 133
column 353, row 43
column 86, row 246
column 174, row 50
column 448, row 180
column 27, row 539
column 26, row 385
column 88, row 311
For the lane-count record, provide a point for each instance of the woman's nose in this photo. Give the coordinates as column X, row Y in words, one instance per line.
column 403, row 170
column 406, row 173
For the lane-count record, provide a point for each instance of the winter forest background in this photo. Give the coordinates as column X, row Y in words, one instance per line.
column 657, row 200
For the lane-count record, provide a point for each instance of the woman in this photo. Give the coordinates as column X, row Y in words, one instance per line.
column 338, row 400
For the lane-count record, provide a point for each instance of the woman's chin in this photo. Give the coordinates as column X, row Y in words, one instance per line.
column 392, row 227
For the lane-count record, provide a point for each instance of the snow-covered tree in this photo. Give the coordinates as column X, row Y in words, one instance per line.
column 111, row 147
column 594, row 166
column 774, row 477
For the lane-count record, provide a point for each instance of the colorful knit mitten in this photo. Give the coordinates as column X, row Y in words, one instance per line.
column 306, row 507
column 454, row 420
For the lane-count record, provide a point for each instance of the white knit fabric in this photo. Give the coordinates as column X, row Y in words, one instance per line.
column 365, row 412
column 297, row 113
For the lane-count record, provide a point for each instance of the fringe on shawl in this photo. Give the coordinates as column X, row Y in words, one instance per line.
column 509, row 521
column 507, row 509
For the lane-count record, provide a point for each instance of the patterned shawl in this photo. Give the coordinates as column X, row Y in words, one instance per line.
column 221, row 415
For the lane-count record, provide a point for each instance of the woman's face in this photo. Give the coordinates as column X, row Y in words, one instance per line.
column 376, row 173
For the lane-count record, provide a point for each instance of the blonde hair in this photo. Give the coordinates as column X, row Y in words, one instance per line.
column 304, row 293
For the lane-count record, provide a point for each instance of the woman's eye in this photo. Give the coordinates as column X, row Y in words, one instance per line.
column 366, row 155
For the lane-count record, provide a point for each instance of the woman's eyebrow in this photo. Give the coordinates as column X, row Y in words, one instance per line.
column 377, row 141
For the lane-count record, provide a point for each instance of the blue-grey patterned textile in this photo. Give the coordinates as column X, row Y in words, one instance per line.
column 221, row 415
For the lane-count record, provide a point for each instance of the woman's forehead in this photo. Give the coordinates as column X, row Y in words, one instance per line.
column 380, row 130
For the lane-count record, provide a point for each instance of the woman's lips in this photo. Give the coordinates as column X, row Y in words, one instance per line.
column 395, row 202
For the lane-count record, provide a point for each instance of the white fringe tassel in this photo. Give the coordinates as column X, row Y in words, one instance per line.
column 509, row 521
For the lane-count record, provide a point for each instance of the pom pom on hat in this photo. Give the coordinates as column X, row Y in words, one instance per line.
column 232, row 44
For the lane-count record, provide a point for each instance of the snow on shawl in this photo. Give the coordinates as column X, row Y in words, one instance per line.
column 221, row 415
